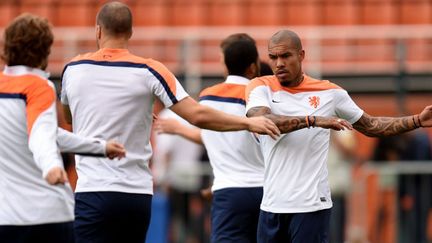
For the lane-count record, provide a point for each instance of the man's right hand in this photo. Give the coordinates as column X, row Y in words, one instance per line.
column 168, row 126
column 56, row 175
column 115, row 150
column 263, row 125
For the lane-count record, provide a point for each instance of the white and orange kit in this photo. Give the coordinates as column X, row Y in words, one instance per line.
column 234, row 156
column 121, row 110
column 295, row 178
column 28, row 150
column 29, row 137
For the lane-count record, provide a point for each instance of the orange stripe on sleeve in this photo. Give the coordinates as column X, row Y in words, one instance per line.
column 167, row 76
column 40, row 96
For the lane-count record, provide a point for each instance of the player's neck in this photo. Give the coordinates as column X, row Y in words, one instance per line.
column 293, row 83
column 113, row 44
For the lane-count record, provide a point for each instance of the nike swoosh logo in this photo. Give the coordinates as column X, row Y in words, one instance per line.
column 274, row 101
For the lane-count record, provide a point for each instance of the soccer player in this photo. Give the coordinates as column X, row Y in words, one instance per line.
column 235, row 157
column 36, row 200
column 113, row 199
column 296, row 202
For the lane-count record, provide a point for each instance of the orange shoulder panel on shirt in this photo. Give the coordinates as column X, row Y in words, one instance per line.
column 225, row 90
column 111, row 55
column 307, row 85
column 269, row 81
column 39, row 95
column 123, row 55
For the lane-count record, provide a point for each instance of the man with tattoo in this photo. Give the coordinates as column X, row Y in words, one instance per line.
column 296, row 202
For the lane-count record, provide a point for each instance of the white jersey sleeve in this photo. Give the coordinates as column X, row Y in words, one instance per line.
column 257, row 94
column 63, row 95
column 165, row 85
column 345, row 107
column 42, row 127
column 71, row 143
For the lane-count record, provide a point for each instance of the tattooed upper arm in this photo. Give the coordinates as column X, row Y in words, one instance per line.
column 383, row 126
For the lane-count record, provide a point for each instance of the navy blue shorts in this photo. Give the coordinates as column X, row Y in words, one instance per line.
column 47, row 233
column 234, row 214
column 312, row 227
column 104, row 217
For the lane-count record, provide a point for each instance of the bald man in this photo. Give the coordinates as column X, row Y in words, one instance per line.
column 296, row 203
column 113, row 198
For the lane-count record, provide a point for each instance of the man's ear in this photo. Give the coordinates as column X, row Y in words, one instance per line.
column 302, row 55
column 98, row 32
column 252, row 71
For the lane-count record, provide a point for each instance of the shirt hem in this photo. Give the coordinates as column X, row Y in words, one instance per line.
column 96, row 189
column 249, row 185
column 296, row 210
column 40, row 222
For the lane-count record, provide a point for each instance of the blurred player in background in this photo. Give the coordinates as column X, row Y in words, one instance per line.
column 235, row 157
column 177, row 174
column 36, row 199
column 113, row 199
column 296, row 202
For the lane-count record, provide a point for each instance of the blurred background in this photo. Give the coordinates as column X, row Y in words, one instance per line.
column 378, row 50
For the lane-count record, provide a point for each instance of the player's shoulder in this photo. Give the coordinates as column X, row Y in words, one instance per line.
column 224, row 89
column 268, row 81
column 132, row 58
column 213, row 90
column 318, row 84
column 154, row 64
column 29, row 84
column 80, row 57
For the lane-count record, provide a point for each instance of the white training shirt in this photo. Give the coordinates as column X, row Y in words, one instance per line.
column 296, row 173
column 28, row 150
column 110, row 94
column 235, row 157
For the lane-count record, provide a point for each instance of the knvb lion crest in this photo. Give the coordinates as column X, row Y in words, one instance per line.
column 314, row 101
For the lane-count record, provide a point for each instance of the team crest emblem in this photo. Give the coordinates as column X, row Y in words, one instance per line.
column 314, row 101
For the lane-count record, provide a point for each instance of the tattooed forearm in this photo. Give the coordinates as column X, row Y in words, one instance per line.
column 287, row 123
column 384, row 126
column 284, row 123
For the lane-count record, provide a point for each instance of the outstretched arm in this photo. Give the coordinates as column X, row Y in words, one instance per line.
column 292, row 123
column 72, row 143
column 208, row 118
column 388, row 126
column 172, row 126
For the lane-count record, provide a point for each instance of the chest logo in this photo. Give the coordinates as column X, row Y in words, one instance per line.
column 314, row 101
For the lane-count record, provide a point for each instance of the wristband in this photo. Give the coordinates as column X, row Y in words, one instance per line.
column 419, row 123
column 415, row 125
